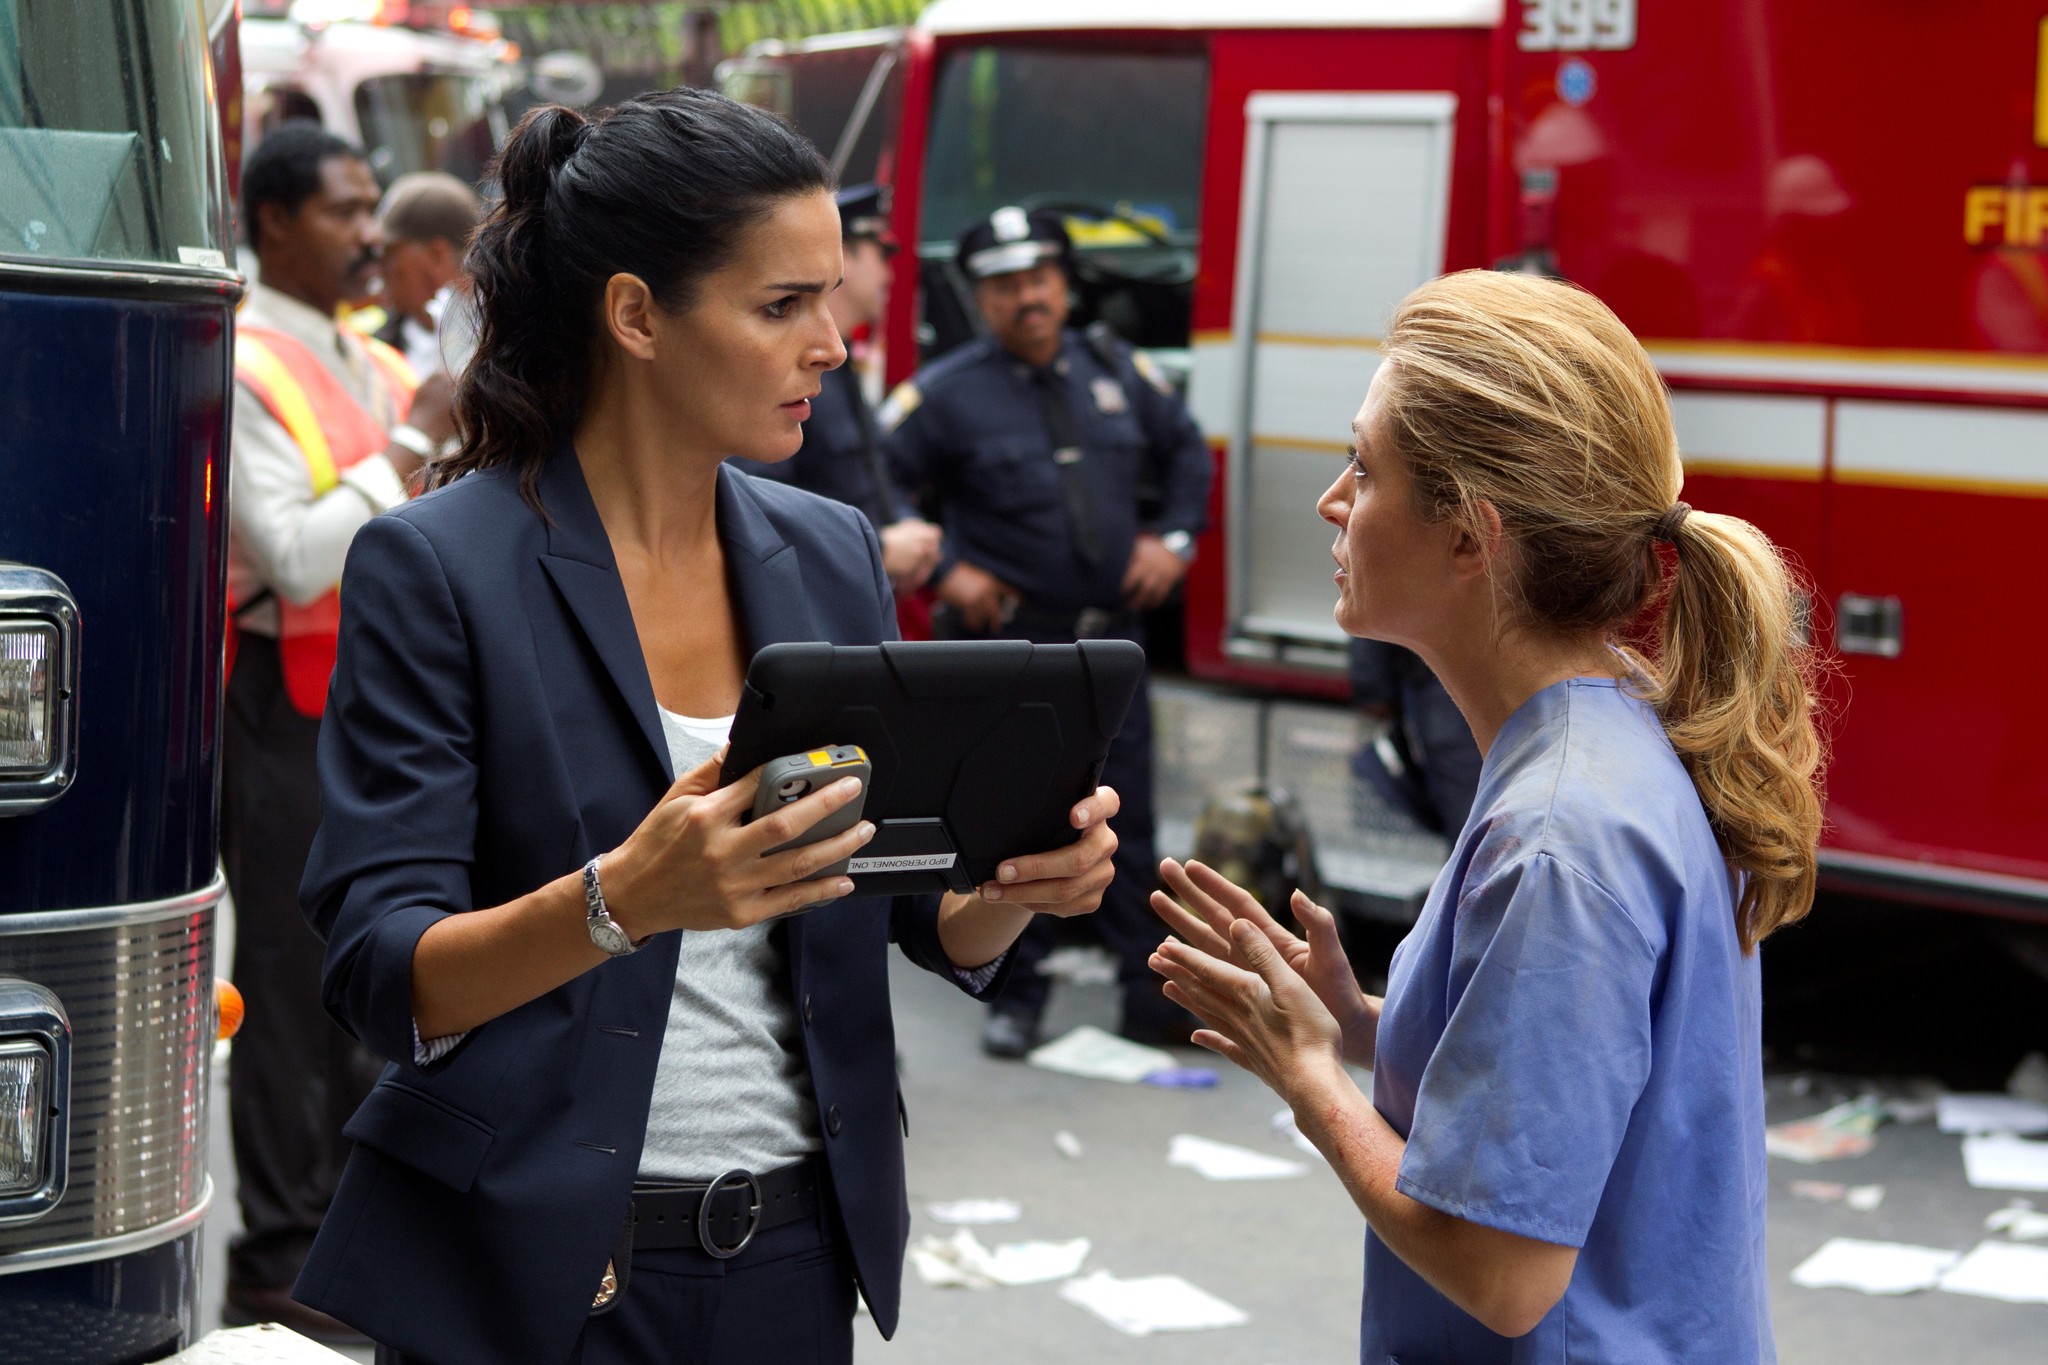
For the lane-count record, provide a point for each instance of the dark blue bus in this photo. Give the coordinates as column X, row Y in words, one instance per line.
column 117, row 299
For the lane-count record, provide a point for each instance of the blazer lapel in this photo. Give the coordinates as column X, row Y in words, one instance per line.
column 579, row 560
column 761, row 568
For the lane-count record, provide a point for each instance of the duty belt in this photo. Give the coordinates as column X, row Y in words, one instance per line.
column 1089, row 623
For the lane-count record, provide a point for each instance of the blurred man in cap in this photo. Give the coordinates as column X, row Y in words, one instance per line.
column 427, row 218
column 842, row 457
column 1034, row 441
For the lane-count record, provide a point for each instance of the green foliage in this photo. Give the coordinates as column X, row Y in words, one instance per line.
column 747, row 21
column 649, row 38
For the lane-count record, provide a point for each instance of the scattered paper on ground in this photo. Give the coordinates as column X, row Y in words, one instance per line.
column 2000, row 1161
column 1069, row 1146
column 977, row 1211
column 1284, row 1126
column 1873, row 1267
column 1990, row 1114
column 1862, row 1198
column 962, row 1262
column 2000, row 1270
column 1898, row 1110
column 1089, row 1052
column 1842, row 1131
column 1080, row 964
column 1221, row 1161
column 1151, row 1303
column 2018, row 1220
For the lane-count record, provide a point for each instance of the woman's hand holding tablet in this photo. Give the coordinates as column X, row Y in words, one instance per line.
column 697, row 861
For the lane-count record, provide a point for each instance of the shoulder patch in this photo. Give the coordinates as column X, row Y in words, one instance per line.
column 1151, row 373
column 901, row 402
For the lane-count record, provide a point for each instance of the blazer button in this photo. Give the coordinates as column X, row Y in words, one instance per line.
column 833, row 1122
column 807, row 1008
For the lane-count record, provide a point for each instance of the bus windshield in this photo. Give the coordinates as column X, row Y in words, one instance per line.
column 109, row 134
column 1118, row 132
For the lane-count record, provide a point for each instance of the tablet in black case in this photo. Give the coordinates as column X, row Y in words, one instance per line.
column 980, row 747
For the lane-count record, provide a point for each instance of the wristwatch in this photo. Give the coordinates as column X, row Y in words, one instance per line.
column 605, row 931
column 1181, row 543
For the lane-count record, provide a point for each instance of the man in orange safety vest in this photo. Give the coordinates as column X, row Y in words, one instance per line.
column 330, row 429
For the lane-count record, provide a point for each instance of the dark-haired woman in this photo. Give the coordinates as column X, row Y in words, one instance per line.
column 630, row 1114
column 1562, row 1158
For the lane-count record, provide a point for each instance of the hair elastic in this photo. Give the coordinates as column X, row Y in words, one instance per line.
column 1668, row 524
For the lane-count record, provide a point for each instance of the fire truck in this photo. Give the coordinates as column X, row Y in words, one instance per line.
column 1828, row 222
column 419, row 86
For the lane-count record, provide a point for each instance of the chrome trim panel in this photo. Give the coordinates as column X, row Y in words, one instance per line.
column 115, row 916
column 123, row 281
column 1988, row 890
column 137, row 984
column 106, row 1248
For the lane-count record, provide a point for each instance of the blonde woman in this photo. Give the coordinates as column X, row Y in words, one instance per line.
column 1562, row 1157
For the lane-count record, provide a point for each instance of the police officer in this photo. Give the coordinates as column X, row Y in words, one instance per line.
column 841, row 457
column 1034, row 442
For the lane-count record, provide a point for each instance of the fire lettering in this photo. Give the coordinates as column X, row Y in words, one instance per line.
column 2011, row 216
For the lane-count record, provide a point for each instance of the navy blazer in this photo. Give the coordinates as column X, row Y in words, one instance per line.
column 490, row 728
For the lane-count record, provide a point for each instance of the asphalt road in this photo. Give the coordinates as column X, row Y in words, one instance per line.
column 1860, row 996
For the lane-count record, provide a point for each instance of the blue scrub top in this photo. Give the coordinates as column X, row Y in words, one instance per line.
column 1571, row 1045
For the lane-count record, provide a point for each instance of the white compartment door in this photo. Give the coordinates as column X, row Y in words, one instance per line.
column 1345, row 199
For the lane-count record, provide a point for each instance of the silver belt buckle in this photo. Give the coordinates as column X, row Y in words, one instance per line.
column 1093, row 623
column 711, row 1248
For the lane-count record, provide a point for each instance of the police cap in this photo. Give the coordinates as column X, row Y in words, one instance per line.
column 1011, row 239
column 864, row 212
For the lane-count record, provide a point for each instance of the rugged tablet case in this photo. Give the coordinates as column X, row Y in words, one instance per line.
column 979, row 747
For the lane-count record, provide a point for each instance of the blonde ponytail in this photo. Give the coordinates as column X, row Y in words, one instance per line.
column 1733, row 686
column 1531, row 396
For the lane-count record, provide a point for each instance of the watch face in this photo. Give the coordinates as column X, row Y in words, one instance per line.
column 610, row 937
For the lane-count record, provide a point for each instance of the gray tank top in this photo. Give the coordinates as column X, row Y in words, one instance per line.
column 731, row 1089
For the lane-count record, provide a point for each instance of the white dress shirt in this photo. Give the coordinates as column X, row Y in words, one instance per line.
column 281, row 536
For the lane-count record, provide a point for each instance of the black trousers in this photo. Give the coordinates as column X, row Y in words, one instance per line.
column 1125, row 922
column 295, row 1077
column 786, row 1300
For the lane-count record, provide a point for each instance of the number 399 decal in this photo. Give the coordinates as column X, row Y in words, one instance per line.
column 1577, row 25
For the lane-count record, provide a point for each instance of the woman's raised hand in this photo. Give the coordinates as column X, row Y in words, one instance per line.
column 1261, row 1015
column 1210, row 903
column 1066, row 881
column 694, row 864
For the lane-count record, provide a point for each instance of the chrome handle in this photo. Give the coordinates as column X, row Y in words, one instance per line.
column 1869, row 625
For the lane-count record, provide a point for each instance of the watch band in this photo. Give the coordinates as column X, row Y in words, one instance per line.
column 605, row 931
column 413, row 439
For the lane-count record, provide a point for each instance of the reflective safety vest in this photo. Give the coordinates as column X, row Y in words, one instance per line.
column 333, row 432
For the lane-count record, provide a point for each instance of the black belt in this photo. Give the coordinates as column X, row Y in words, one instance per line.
column 719, row 1217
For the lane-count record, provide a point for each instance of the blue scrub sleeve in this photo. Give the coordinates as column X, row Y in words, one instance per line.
column 1525, row 1100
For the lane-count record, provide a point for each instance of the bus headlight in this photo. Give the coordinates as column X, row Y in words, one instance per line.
column 35, row 1086
column 38, row 688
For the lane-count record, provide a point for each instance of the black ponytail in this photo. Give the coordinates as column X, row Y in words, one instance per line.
column 663, row 187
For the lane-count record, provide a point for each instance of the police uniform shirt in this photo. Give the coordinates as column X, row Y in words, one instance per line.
column 971, row 429
column 839, row 458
